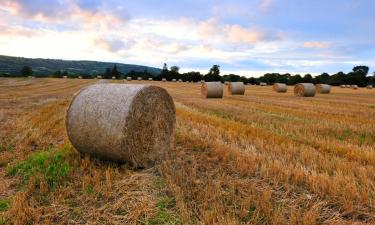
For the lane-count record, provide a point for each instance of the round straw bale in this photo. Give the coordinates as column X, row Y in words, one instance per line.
column 139, row 78
column 164, row 79
column 280, row 87
column 173, row 80
column 226, row 82
column 342, row 86
column 212, row 90
column 150, row 78
column 128, row 78
column 236, row 88
column 323, row 88
column 263, row 84
column 179, row 80
column 113, row 78
column 347, row 86
column 354, row 86
column 122, row 123
column 202, row 81
column 65, row 77
column 304, row 90
column 369, row 86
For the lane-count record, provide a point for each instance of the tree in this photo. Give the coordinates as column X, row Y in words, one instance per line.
column 213, row 74
column 114, row 72
column 108, row 73
column 164, row 73
column 26, row 71
column 361, row 69
column 175, row 69
column 57, row 74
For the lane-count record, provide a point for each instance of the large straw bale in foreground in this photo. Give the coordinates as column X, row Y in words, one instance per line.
column 121, row 122
column 212, row 90
column 323, row 88
column 304, row 90
column 236, row 88
column 280, row 87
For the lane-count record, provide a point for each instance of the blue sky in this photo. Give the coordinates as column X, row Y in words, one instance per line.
column 244, row 37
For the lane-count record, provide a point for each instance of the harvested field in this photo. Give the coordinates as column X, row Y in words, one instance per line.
column 258, row 158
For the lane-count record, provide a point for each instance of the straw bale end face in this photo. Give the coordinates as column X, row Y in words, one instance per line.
column 236, row 88
column 304, row 90
column 122, row 123
column 212, row 90
column 280, row 87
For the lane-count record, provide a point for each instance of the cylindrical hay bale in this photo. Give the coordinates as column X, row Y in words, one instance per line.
column 347, row 86
column 354, row 86
column 179, row 80
column 150, row 79
column 263, row 84
column 369, row 86
column 280, row 87
column 212, row 90
column 164, row 79
column 202, row 81
column 65, row 77
column 342, row 86
column 128, row 78
column 139, row 78
column 122, row 123
column 113, row 78
column 99, row 77
column 323, row 88
column 79, row 77
column 304, row 90
column 236, row 88
column 173, row 80
column 226, row 82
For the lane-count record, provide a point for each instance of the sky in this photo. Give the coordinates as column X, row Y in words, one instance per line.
column 245, row 37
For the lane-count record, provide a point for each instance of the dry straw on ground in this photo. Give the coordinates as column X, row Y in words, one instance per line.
column 212, row 90
column 323, row 88
column 125, row 123
column 280, row 87
column 236, row 88
column 304, row 90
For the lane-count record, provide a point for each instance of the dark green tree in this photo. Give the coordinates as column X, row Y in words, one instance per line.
column 213, row 74
column 114, row 72
column 26, row 71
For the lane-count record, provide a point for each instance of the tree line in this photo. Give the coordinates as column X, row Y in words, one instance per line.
column 358, row 76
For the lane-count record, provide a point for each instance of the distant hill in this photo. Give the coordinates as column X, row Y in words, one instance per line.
column 44, row 67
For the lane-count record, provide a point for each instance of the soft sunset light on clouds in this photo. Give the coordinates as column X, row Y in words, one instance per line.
column 244, row 37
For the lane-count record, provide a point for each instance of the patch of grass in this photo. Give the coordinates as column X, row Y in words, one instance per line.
column 164, row 216
column 50, row 166
column 250, row 214
column 89, row 190
column 371, row 106
column 4, row 205
column 159, row 183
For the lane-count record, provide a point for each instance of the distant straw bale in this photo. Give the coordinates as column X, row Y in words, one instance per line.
column 323, row 88
column 304, row 90
column 212, row 90
column 236, row 88
column 280, row 87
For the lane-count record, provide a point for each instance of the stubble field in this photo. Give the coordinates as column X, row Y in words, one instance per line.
column 262, row 158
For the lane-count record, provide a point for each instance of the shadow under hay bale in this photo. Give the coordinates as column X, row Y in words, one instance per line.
column 304, row 90
column 323, row 88
column 122, row 123
column 236, row 88
column 280, row 87
column 212, row 90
